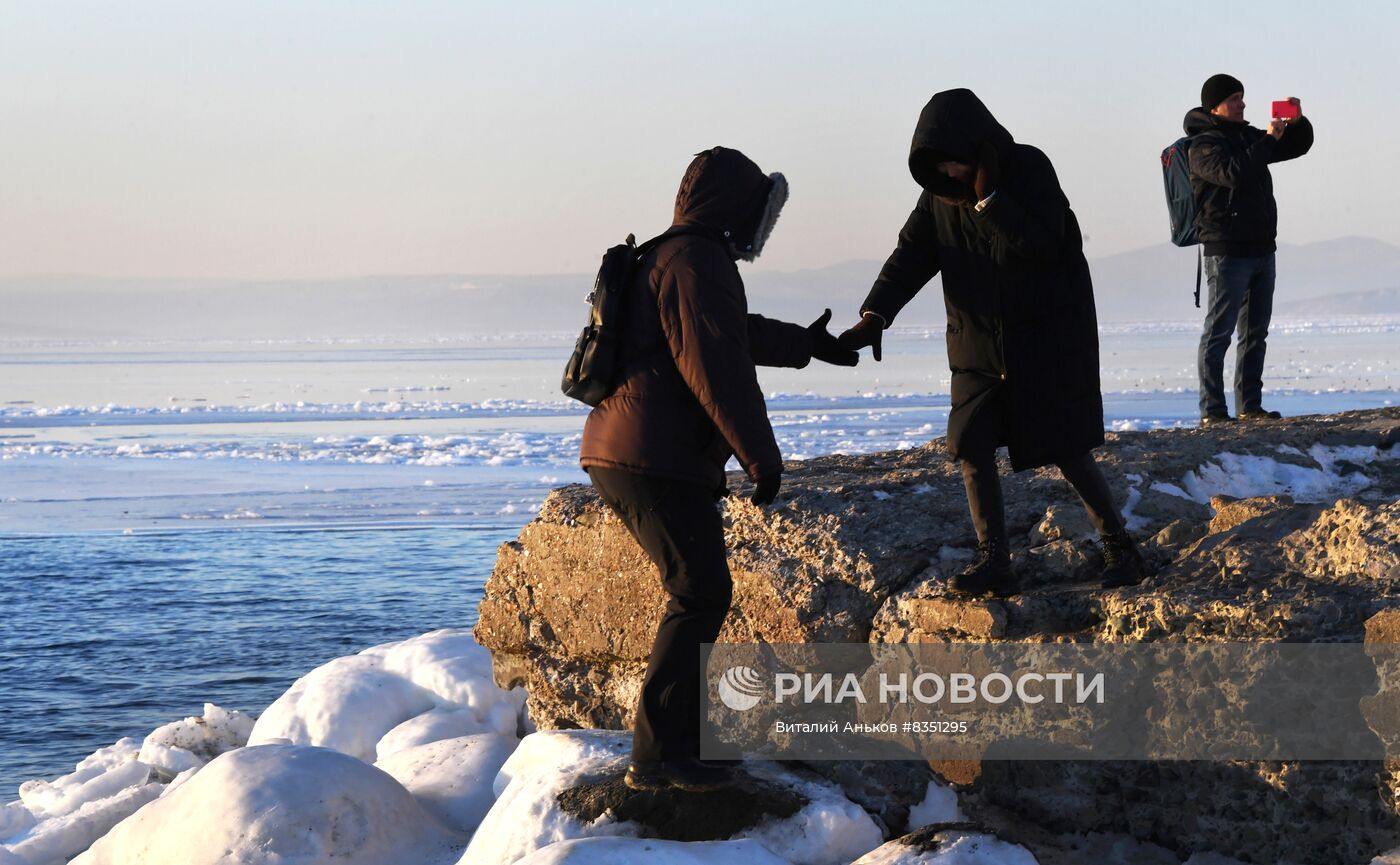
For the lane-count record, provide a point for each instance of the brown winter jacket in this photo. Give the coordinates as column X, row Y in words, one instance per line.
column 689, row 397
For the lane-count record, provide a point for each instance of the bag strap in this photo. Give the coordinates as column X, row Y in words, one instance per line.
column 1200, row 260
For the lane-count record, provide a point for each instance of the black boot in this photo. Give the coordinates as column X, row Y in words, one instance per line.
column 689, row 775
column 1123, row 565
column 991, row 573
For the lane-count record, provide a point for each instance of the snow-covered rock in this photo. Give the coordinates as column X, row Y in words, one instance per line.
column 436, row 725
column 280, row 805
column 940, row 805
column 450, row 665
column 389, row 700
column 56, row 839
column 548, row 749
column 351, row 704
column 526, row 815
column 650, row 851
column 14, row 819
column 189, row 744
column 452, row 778
column 72, row 792
column 56, row 820
column 347, row 704
column 948, row 847
column 822, row 826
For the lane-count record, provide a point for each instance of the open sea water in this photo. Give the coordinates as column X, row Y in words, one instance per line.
column 191, row 523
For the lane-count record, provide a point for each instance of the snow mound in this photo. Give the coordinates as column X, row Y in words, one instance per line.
column 351, row 704
column 56, row 820
column 831, row 829
column 435, row 725
column 191, row 743
column 948, row 848
column 650, row 851
column 451, row 778
column 940, row 805
column 528, row 816
column 280, row 805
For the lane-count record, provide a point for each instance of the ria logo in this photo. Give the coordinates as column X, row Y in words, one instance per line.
column 740, row 688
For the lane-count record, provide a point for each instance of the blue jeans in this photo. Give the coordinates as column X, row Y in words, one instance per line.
column 1241, row 298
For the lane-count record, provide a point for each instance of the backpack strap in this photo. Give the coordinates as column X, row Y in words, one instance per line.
column 642, row 249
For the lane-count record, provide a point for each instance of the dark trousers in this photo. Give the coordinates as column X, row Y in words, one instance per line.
column 984, row 500
column 1241, row 299
column 678, row 526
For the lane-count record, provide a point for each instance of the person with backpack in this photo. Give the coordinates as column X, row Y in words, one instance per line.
column 687, row 398
column 1022, row 330
column 1237, row 223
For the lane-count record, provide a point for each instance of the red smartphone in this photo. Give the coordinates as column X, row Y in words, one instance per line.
column 1285, row 111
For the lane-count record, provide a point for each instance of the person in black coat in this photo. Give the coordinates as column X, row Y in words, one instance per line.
column 1022, row 331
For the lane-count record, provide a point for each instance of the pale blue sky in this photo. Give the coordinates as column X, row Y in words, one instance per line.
column 319, row 139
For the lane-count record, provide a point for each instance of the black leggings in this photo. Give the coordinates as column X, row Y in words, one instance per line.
column 989, row 514
column 678, row 526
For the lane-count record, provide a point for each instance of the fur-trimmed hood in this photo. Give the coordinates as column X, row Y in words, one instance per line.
column 952, row 128
column 726, row 195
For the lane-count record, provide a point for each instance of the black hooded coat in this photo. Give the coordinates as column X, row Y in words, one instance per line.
column 1022, row 330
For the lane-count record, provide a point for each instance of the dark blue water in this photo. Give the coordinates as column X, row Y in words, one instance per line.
column 108, row 635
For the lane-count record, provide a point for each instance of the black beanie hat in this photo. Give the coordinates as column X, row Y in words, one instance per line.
column 1218, row 88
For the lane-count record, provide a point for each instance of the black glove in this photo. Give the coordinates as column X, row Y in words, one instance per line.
column 866, row 332
column 765, row 489
column 827, row 348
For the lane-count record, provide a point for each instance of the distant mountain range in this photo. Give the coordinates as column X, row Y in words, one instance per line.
column 1347, row 276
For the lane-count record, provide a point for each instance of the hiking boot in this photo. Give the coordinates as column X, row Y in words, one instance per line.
column 991, row 573
column 689, row 775
column 1216, row 419
column 1259, row 414
column 1123, row 565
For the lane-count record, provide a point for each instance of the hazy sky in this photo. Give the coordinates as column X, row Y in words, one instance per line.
column 321, row 139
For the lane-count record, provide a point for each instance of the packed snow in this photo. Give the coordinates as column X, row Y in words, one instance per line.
column 426, row 708
column 649, row 851
column 953, row 848
column 1338, row 472
column 448, row 777
column 403, row 752
column 280, row 805
column 939, row 805
column 351, row 704
column 527, row 816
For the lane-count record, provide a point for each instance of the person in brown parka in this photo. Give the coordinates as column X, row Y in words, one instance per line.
column 688, row 399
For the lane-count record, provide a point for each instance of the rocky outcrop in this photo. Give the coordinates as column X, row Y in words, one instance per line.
column 1274, row 531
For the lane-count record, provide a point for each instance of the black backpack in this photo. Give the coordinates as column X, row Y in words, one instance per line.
column 1181, row 200
column 594, row 368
